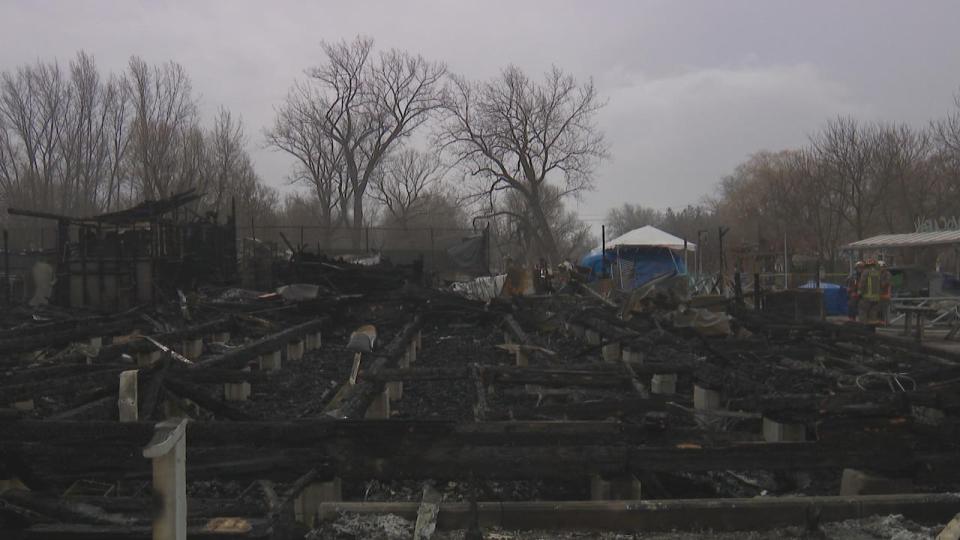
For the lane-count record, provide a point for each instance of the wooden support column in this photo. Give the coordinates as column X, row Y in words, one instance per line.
column 127, row 399
column 168, row 450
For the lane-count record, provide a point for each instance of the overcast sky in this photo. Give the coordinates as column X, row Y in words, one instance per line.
column 694, row 87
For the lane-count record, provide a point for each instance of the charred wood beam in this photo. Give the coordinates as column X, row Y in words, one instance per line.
column 76, row 531
column 355, row 404
column 64, row 509
column 61, row 339
column 60, row 386
column 318, row 432
column 238, row 358
column 199, row 395
column 112, row 352
column 695, row 515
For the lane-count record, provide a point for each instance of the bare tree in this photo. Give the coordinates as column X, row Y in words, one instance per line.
column 847, row 148
column 407, row 176
column 627, row 217
column 366, row 103
column 164, row 141
column 901, row 166
column 319, row 159
column 516, row 134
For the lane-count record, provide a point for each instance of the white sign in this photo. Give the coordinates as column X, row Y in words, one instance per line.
column 937, row 224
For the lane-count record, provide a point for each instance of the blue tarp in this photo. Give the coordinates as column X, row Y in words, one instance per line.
column 647, row 262
column 834, row 296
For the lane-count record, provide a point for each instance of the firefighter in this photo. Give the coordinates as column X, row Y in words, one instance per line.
column 853, row 293
column 869, row 291
column 885, row 292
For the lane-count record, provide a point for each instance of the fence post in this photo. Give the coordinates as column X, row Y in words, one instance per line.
column 368, row 239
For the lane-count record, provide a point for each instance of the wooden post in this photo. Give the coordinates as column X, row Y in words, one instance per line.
column 168, row 450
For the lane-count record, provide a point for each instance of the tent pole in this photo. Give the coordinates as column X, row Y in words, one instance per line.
column 603, row 250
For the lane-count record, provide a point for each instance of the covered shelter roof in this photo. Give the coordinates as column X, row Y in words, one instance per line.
column 649, row 236
column 921, row 239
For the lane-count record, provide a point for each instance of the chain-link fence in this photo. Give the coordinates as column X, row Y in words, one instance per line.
column 400, row 245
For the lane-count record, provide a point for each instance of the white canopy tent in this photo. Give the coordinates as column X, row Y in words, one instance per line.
column 644, row 237
column 649, row 236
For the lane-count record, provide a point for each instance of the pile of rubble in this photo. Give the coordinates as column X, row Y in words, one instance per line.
column 634, row 412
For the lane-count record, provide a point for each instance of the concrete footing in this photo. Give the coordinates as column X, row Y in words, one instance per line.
column 236, row 391
column 313, row 341
column 631, row 354
column 593, row 337
column 611, row 352
column 295, row 351
column 625, row 488
column 380, row 408
column 705, row 399
column 774, row 431
column 412, row 351
column 191, row 348
column 307, row 505
column 578, row 331
column 127, row 396
column 858, row 482
column 271, row 361
column 523, row 360
column 664, row 383
column 219, row 337
column 23, row 405
column 395, row 390
column 147, row 359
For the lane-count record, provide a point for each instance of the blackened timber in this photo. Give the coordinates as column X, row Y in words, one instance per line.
column 588, row 410
column 77, row 531
column 362, row 394
column 200, row 396
column 66, row 337
column 238, row 358
column 63, row 385
column 111, row 352
column 740, row 514
column 64, row 509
